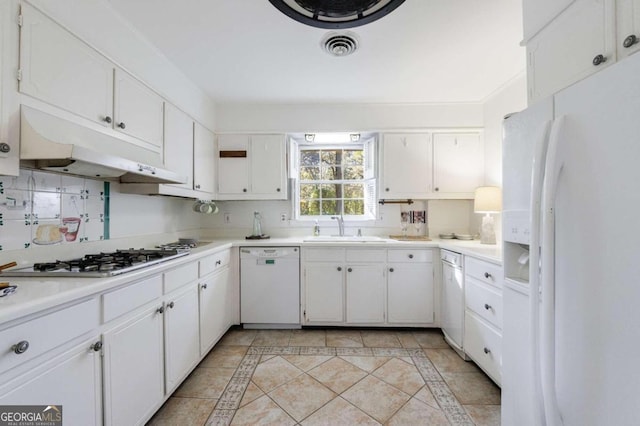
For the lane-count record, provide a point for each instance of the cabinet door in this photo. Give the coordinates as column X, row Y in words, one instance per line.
column 204, row 148
column 365, row 294
column 233, row 164
column 134, row 349
column 564, row 51
column 410, row 293
column 406, row 166
column 61, row 70
column 178, row 144
column 458, row 163
column 138, row 110
column 323, row 293
column 182, row 336
column 9, row 99
column 72, row 380
column 628, row 24
column 214, row 308
column 268, row 170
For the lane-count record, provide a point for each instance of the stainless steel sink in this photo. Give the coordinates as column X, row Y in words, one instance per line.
column 344, row 239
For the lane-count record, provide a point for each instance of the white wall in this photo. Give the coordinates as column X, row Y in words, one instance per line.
column 512, row 97
column 344, row 117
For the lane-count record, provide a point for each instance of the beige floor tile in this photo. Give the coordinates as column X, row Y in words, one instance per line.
column 306, row 362
column 339, row 412
column 407, row 340
column 272, row 338
column 224, row 356
column 473, row 388
column 447, row 361
column 430, row 338
column 401, row 375
column 344, row 339
column 376, row 398
column 183, row 411
column 337, row 374
column 273, row 373
column 380, row 339
column 262, row 411
column 415, row 412
column 205, row 383
column 265, row 358
column 238, row 338
column 301, row 396
column 366, row 363
column 484, row 415
column 427, row 397
column 308, row 338
column 407, row 359
column 250, row 394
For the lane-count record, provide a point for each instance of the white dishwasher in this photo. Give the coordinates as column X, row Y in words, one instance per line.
column 270, row 287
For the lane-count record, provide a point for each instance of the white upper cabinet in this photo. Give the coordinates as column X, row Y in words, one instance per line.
column 61, row 70
column 628, row 25
column 458, row 164
column 406, row 166
column 204, row 151
column 178, row 144
column 138, row 110
column 537, row 13
column 252, row 167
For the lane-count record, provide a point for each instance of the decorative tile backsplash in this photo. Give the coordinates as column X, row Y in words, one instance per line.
column 38, row 208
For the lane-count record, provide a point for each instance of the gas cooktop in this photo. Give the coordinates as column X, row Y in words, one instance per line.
column 99, row 265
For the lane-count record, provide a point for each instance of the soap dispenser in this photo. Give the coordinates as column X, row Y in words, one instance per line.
column 316, row 229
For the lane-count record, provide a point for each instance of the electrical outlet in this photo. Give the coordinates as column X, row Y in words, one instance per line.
column 283, row 217
column 227, row 218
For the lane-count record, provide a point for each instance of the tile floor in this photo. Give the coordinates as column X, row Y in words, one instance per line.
column 333, row 377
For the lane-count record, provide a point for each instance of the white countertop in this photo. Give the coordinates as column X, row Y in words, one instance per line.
column 39, row 294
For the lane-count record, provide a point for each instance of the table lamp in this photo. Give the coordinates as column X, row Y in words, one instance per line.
column 488, row 199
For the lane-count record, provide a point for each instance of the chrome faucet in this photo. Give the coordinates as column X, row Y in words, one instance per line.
column 340, row 224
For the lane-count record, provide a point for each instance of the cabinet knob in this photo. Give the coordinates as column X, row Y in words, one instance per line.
column 437, row 189
column 599, row 59
column 278, row 189
column 122, row 125
column 5, row 148
column 97, row 346
column 487, row 350
column 487, row 306
column 160, row 310
column 20, row 347
column 244, row 189
column 107, row 119
column 390, row 269
column 218, row 262
column 386, row 189
column 349, row 270
column 410, row 256
column 204, row 286
column 487, row 275
column 339, row 268
column 197, row 186
column 171, row 305
column 630, row 41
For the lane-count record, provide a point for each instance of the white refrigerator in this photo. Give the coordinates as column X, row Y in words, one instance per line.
column 571, row 227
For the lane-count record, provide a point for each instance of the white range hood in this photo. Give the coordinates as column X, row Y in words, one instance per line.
column 51, row 143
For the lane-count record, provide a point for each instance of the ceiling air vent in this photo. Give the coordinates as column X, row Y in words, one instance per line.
column 340, row 44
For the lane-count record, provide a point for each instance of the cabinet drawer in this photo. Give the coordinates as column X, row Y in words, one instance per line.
column 127, row 299
column 410, row 255
column 324, row 254
column 483, row 344
column 484, row 301
column 215, row 261
column 488, row 273
column 366, row 255
column 48, row 332
column 180, row 276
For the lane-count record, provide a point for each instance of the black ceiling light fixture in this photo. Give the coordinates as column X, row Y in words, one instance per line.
column 336, row 14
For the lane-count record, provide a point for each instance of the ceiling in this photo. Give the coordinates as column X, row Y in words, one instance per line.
column 426, row 51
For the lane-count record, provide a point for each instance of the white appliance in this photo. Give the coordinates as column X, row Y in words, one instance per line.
column 571, row 201
column 452, row 299
column 270, row 287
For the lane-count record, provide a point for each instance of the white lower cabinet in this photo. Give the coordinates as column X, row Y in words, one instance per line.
column 351, row 286
column 73, row 380
column 134, row 348
column 215, row 294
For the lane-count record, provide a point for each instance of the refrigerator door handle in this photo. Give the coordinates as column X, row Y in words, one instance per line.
column 537, row 175
column 553, row 169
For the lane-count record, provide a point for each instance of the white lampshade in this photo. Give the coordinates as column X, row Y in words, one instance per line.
column 488, row 199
